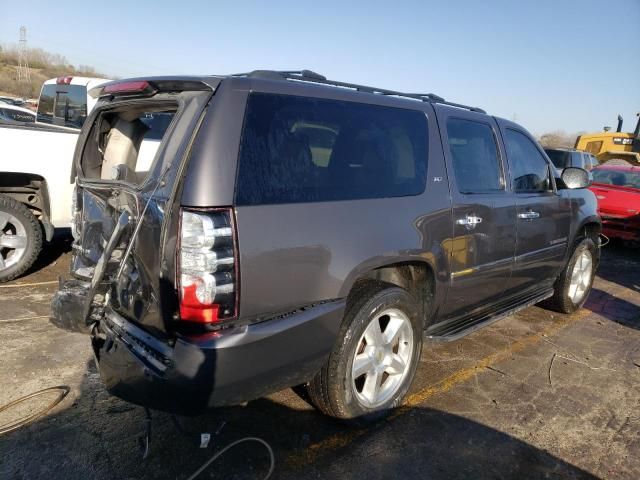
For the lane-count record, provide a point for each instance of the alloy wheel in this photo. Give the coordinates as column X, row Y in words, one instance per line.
column 382, row 358
column 581, row 276
column 13, row 240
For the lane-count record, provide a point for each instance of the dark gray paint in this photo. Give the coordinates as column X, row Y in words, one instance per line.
column 481, row 272
column 292, row 256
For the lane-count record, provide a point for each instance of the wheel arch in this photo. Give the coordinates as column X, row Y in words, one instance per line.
column 417, row 276
column 589, row 227
column 31, row 190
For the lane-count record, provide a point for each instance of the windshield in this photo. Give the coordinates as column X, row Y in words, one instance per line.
column 617, row 177
column 560, row 158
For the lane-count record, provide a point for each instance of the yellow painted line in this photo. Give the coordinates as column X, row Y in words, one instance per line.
column 460, row 273
column 18, row 285
column 345, row 438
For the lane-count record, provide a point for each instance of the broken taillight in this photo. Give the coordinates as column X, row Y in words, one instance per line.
column 207, row 266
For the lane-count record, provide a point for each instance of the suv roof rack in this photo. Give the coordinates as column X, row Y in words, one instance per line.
column 313, row 77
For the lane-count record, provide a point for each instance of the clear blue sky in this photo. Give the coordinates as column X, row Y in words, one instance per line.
column 550, row 64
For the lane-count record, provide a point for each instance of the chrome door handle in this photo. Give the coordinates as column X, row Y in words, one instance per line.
column 530, row 215
column 470, row 221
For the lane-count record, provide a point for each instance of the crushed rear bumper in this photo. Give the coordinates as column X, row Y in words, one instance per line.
column 220, row 369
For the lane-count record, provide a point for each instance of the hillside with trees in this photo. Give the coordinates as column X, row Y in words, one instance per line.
column 558, row 138
column 43, row 65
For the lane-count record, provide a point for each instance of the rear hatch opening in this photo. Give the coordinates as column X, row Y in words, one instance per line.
column 125, row 141
column 131, row 150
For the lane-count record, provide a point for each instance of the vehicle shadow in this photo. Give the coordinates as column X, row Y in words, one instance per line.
column 614, row 308
column 620, row 264
column 95, row 435
column 51, row 252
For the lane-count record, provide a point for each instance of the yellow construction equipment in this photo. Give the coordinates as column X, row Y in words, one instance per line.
column 609, row 145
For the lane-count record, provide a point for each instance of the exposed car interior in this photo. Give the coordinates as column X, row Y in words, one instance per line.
column 127, row 141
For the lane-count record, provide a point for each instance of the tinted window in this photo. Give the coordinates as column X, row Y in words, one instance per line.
column 560, row 158
column 297, row 149
column 16, row 115
column 578, row 160
column 529, row 169
column 45, row 104
column 63, row 105
column 157, row 122
column 474, row 155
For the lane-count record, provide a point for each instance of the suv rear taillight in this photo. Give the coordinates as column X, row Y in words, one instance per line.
column 207, row 266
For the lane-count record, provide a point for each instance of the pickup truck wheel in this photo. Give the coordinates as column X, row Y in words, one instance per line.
column 20, row 238
column 373, row 363
column 574, row 283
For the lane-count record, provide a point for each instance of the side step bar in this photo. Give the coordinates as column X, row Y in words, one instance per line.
column 459, row 328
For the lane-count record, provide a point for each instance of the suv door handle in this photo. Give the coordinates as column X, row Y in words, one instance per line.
column 530, row 215
column 470, row 221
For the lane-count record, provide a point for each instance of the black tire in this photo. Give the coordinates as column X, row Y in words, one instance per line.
column 331, row 389
column 561, row 300
column 33, row 231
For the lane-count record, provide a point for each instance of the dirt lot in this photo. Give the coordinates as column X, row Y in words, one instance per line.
column 537, row 395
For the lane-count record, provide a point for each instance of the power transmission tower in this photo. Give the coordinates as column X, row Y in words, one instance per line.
column 24, row 73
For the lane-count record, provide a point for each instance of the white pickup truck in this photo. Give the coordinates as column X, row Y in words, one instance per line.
column 36, row 187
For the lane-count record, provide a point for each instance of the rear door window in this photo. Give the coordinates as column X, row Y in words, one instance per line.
column 297, row 149
column 529, row 169
column 474, row 154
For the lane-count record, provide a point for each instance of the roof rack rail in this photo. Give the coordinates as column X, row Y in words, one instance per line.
column 313, row 77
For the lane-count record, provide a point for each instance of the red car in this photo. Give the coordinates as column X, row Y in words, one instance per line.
column 618, row 191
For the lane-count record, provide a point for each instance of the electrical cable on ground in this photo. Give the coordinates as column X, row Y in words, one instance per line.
column 229, row 447
column 11, row 426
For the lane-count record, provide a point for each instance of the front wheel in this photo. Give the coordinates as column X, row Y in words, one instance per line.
column 373, row 364
column 574, row 283
column 20, row 238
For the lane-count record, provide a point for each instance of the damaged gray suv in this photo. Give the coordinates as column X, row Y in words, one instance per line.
column 297, row 231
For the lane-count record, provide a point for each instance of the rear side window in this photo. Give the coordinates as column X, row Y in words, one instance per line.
column 560, row 158
column 64, row 105
column 474, row 155
column 529, row 169
column 298, row 149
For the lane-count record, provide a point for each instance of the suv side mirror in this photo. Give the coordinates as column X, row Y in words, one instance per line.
column 575, row 177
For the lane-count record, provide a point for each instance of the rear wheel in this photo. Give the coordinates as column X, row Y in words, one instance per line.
column 574, row 283
column 20, row 238
column 372, row 366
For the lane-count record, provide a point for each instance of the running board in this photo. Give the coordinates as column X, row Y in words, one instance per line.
column 460, row 328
